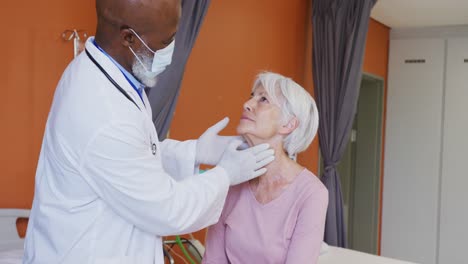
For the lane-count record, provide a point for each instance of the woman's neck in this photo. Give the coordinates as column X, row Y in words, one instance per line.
column 280, row 174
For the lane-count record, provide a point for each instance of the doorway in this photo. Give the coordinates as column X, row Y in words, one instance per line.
column 360, row 168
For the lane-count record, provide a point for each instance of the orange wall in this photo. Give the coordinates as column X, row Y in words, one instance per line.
column 376, row 54
column 34, row 57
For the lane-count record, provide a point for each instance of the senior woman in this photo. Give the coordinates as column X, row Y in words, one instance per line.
column 278, row 217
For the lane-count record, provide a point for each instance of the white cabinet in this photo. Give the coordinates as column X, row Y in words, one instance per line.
column 412, row 149
column 425, row 202
column 454, row 193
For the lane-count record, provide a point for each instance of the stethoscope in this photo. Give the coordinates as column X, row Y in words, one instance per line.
column 121, row 90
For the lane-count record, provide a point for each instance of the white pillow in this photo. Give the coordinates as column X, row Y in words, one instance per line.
column 324, row 247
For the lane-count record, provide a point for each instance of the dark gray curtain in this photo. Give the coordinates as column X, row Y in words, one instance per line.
column 339, row 36
column 163, row 97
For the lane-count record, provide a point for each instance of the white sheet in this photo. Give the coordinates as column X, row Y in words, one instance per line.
column 335, row 255
column 11, row 252
column 12, row 256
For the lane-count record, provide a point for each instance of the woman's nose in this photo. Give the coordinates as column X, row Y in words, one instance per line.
column 248, row 105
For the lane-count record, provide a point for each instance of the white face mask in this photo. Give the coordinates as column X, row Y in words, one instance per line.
column 161, row 58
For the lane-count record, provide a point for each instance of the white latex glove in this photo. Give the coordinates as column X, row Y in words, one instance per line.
column 244, row 165
column 210, row 145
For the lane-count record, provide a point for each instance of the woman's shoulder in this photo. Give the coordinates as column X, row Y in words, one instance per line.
column 234, row 192
column 310, row 184
column 233, row 196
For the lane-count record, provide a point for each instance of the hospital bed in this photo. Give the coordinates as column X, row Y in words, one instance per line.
column 335, row 255
column 11, row 245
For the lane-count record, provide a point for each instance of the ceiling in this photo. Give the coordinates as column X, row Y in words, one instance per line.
column 420, row 13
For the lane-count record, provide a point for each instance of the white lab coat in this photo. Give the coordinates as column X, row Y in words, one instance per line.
column 101, row 196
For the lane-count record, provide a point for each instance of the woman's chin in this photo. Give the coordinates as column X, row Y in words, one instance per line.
column 241, row 130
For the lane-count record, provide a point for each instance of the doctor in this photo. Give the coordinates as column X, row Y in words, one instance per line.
column 106, row 190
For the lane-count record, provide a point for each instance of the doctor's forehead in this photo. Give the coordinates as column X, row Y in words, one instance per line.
column 142, row 15
column 162, row 14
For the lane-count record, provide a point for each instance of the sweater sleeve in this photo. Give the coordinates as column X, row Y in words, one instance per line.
column 308, row 232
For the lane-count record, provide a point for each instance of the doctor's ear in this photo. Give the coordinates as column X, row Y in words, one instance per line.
column 127, row 38
column 289, row 127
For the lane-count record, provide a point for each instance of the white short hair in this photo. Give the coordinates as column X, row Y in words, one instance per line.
column 294, row 101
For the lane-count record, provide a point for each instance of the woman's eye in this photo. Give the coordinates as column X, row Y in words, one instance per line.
column 263, row 99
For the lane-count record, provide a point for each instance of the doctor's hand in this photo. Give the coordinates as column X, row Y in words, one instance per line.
column 244, row 165
column 210, row 145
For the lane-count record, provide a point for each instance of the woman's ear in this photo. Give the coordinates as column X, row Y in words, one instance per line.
column 289, row 127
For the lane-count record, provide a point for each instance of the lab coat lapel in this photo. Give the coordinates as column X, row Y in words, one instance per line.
column 148, row 106
column 114, row 72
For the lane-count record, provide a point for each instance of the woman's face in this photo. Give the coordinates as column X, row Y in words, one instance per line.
column 261, row 118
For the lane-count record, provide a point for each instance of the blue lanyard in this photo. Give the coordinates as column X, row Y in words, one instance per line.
column 139, row 92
